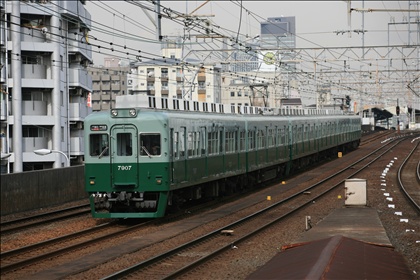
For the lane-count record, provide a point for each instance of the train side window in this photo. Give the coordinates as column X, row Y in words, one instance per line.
column 270, row 138
column 221, row 140
column 242, row 141
column 99, row 143
column 193, row 144
column 182, row 142
column 230, row 141
column 150, row 144
column 211, row 139
column 251, row 140
column 175, row 147
column 203, row 140
column 260, row 139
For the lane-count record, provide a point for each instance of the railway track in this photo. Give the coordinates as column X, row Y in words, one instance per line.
column 21, row 257
column 35, row 253
column 109, row 238
column 409, row 177
column 369, row 138
column 180, row 260
column 36, row 220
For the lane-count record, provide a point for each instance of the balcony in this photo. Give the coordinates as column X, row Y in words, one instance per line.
column 78, row 111
column 29, row 144
column 77, row 44
column 3, row 112
column 106, row 87
column 34, row 71
column 115, row 87
column 34, row 108
column 76, row 146
column 105, row 97
column 164, row 77
column 76, row 10
column 2, row 33
column 201, row 77
column 80, row 78
column 105, row 106
column 96, row 96
column 3, row 69
column 96, row 86
column 32, row 34
column 96, row 106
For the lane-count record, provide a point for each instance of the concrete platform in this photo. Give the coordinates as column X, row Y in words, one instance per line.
column 361, row 223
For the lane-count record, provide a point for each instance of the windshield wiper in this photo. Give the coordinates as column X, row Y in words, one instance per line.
column 147, row 152
column 103, row 152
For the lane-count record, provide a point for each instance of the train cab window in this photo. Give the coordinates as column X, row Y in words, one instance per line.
column 99, row 145
column 124, row 144
column 150, row 144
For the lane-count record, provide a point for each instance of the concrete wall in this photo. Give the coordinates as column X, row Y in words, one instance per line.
column 36, row 189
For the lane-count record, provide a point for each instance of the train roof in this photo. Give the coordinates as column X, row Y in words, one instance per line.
column 180, row 105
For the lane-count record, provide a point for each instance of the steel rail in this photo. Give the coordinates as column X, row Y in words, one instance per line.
column 149, row 262
column 406, row 193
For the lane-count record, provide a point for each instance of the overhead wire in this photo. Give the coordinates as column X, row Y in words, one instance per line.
column 197, row 25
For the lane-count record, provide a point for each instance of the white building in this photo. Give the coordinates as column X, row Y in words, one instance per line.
column 171, row 78
column 44, row 81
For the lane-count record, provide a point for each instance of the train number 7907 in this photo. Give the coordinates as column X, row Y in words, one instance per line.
column 124, row 167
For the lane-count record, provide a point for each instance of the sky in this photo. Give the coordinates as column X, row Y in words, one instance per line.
column 317, row 22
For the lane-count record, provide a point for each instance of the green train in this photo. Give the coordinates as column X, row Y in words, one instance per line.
column 141, row 160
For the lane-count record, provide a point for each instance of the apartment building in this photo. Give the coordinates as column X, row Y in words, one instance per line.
column 44, row 83
column 171, row 78
column 108, row 82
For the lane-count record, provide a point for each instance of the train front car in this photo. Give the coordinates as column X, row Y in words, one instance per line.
column 126, row 163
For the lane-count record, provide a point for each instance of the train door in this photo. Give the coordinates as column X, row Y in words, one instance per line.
column 124, row 156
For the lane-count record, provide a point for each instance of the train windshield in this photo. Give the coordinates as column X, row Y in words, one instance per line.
column 150, row 144
column 99, row 145
column 124, row 144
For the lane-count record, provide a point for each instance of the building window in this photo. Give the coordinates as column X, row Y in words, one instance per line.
column 164, row 72
column 165, row 86
column 232, row 94
column 151, row 86
column 30, row 131
column 150, row 72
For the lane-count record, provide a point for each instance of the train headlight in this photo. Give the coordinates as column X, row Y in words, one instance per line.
column 92, row 182
column 133, row 112
column 114, row 113
column 159, row 181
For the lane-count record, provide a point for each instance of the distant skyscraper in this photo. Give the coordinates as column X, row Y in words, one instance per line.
column 278, row 39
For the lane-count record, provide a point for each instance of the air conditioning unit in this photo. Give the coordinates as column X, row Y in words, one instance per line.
column 76, row 92
column 76, row 58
